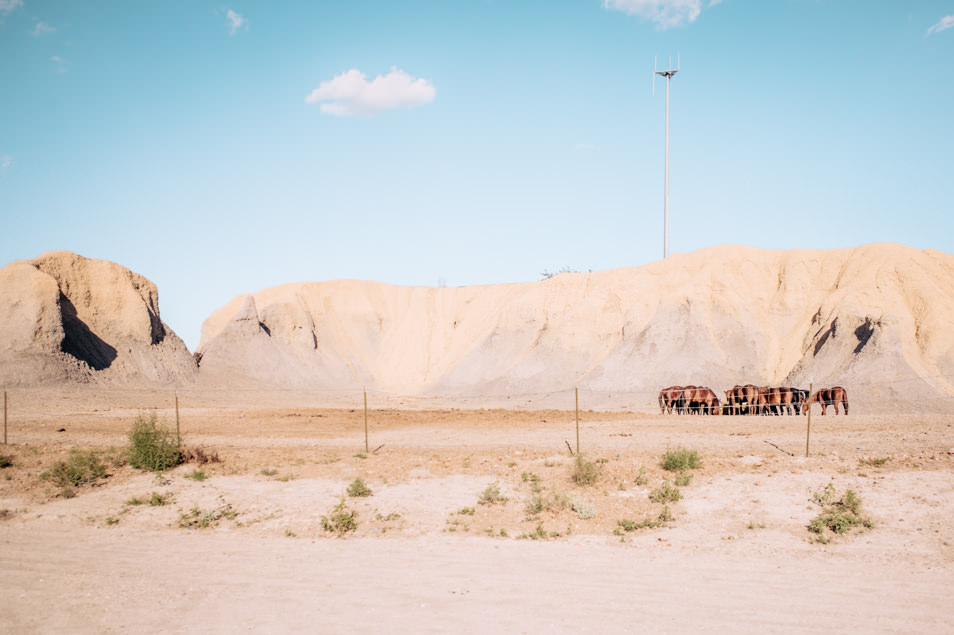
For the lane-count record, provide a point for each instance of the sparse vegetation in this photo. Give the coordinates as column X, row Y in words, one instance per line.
column 199, row 456
column 341, row 520
column 6, row 461
column 546, row 275
column 466, row 511
column 626, row 526
column 838, row 515
column 681, row 459
column 196, row 475
column 152, row 446
column 665, row 493
column 492, row 495
column 683, row 479
column 873, row 461
column 641, row 479
column 585, row 510
column 584, row 471
column 81, row 468
column 359, row 488
column 197, row 518
column 268, row 471
column 158, row 500
column 539, row 534
column 549, row 502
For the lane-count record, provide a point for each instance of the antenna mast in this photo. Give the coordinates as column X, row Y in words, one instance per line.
column 668, row 73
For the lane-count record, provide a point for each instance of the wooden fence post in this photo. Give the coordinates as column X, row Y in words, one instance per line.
column 576, row 392
column 808, row 428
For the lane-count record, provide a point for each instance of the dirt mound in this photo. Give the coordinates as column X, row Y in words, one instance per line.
column 68, row 318
column 874, row 316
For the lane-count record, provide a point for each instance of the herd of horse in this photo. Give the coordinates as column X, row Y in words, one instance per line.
column 749, row 400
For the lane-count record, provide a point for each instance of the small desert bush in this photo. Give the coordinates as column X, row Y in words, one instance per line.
column 683, row 479
column 548, row 502
column 538, row 534
column 358, row 488
column 491, row 495
column 627, row 526
column 874, row 461
column 269, row 471
column 6, row 461
column 152, row 446
column 584, row 471
column 341, row 520
column 838, row 515
column 81, row 468
column 199, row 519
column 665, row 493
column 584, row 509
column 680, row 459
column 641, row 478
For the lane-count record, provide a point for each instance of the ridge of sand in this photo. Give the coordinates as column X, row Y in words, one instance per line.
column 874, row 315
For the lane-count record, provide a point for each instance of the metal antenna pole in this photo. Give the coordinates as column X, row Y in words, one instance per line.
column 668, row 74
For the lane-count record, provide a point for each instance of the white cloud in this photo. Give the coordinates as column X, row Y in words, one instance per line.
column 944, row 24
column 6, row 6
column 42, row 28
column 663, row 13
column 350, row 93
column 235, row 21
column 62, row 65
column 5, row 161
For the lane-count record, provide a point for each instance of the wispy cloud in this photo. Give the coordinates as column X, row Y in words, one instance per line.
column 663, row 13
column 585, row 147
column 944, row 24
column 5, row 161
column 6, row 6
column 42, row 28
column 235, row 21
column 62, row 65
column 350, row 93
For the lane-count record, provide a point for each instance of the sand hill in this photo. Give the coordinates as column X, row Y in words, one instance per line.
column 875, row 318
column 68, row 318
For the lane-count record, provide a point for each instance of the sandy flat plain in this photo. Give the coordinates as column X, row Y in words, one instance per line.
column 736, row 556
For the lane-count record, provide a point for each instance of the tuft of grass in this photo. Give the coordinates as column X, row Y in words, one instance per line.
column 665, row 493
column 492, row 496
column 6, row 461
column 197, row 518
column 196, row 475
column 874, row 461
column 360, row 455
column 584, row 471
column 466, row 511
column 683, row 479
column 81, row 468
column 626, row 526
column 341, row 520
column 268, row 471
column 550, row 502
column 838, row 515
column 152, row 446
column 539, row 534
column 158, row 500
column 358, row 488
column 641, row 479
column 681, row 459
column 132, row 502
column 112, row 520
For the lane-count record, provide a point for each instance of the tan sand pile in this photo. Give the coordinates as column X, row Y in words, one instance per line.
column 874, row 318
column 68, row 318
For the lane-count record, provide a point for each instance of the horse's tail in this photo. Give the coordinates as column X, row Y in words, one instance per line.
column 844, row 400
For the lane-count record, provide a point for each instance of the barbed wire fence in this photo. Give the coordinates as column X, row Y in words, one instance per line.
column 365, row 407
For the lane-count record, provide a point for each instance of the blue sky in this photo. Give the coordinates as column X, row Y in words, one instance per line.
column 220, row 148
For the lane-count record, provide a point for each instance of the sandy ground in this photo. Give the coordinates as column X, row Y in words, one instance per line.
column 427, row 557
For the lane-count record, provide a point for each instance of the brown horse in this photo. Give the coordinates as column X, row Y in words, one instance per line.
column 827, row 397
column 668, row 398
column 701, row 399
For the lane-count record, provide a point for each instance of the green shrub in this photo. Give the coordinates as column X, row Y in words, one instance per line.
column 358, row 488
column 81, row 468
column 683, row 479
column 199, row 519
column 341, row 520
column 491, row 495
column 839, row 516
column 665, row 493
column 196, row 475
column 6, row 461
column 152, row 446
column 681, row 459
column 584, row 472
